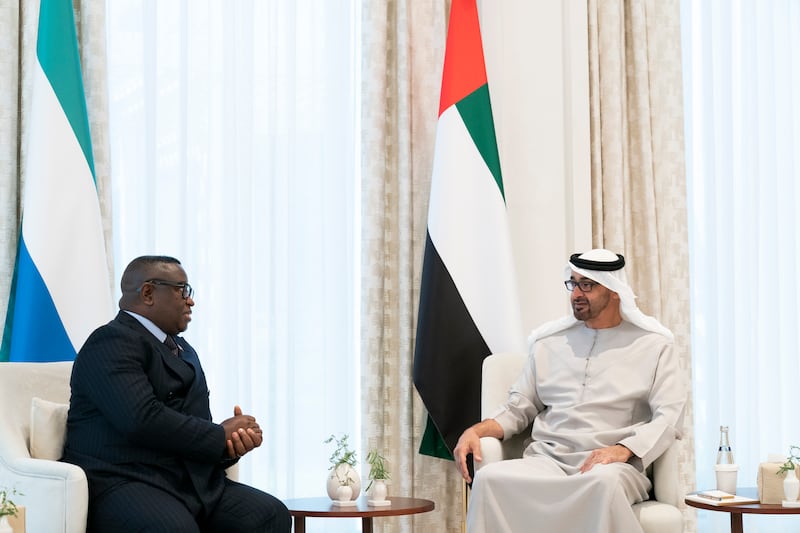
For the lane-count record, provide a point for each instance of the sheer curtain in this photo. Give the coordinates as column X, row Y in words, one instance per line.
column 233, row 138
column 741, row 79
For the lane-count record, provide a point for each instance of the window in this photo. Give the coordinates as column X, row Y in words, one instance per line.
column 234, row 137
column 741, row 81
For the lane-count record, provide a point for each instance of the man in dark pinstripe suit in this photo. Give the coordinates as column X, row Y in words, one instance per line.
column 140, row 425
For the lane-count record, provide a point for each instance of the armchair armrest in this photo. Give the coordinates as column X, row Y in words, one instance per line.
column 666, row 483
column 55, row 494
column 491, row 450
column 232, row 472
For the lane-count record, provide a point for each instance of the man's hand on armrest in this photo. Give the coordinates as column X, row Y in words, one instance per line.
column 470, row 443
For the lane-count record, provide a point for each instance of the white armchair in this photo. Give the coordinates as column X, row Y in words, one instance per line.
column 661, row 515
column 55, row 495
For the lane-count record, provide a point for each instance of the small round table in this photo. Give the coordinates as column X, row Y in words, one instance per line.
column 300, row 508
column 736, row 511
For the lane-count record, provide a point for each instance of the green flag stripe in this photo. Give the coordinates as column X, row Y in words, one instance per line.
column 57, row 50
column 476, row 112
column 432, row 443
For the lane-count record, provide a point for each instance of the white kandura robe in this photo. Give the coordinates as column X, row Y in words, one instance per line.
column 583, row 389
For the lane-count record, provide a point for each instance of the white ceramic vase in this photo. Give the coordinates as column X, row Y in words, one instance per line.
column 343, row 493
column 340, row 473
column 791, row 486
column 377, row 493
column 5, row 527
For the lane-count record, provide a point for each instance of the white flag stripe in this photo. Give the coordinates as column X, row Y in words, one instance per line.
column 62, row 216
column 467, row 213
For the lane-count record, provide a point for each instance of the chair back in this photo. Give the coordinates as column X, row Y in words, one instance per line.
column 500, row 371
column 19, row 384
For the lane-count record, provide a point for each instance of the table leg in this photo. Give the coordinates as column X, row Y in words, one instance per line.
column 366, row 524
column 736, row 523
column 299, row 524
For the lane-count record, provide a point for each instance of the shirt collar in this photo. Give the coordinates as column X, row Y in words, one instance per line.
column 149, row 325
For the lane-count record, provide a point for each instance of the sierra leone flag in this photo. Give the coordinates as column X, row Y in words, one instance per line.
column 60, row 292
column 468, row 303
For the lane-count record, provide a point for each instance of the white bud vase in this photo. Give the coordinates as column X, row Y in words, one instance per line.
column 5, row 527
column 791, row 488
column 377, row 494
column 343, row 493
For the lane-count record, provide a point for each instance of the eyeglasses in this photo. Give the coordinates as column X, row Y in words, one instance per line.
column 585, row 285
column 186, row 290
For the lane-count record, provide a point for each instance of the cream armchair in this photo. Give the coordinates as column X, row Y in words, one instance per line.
column 661, row 515
column 55, row 495
column 32, row 433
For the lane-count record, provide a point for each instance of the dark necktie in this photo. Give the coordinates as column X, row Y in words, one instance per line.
column 172, row 345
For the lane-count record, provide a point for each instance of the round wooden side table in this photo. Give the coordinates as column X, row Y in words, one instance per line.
column 323, row 507
column 736, row 511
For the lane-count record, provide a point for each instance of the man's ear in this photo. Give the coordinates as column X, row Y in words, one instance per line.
column 146, row 293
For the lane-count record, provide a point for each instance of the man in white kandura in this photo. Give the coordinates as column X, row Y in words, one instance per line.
column 603, row 391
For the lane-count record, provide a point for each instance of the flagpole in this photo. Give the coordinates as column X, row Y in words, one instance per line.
column 465, row 489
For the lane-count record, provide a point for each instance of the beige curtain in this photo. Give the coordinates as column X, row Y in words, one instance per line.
column 638, row 172
column 403, row 43
column 18, row 23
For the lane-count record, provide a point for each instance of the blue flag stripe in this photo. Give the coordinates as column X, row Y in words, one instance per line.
column 34, row 306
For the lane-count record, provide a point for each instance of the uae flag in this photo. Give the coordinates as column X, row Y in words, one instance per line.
column 60, row 291
column 468, row 305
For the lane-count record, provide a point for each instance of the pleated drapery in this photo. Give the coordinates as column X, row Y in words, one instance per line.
column 638, row 174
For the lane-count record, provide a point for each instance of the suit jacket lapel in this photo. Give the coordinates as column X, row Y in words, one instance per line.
column 183, row 370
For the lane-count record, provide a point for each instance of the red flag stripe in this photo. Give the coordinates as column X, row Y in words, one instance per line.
column 464, row 67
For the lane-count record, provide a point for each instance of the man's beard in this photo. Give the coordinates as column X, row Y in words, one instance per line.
column 581, row 309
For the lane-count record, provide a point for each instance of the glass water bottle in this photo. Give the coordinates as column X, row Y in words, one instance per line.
column 724, row 454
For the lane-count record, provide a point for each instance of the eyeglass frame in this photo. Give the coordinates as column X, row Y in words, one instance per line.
column 186, row 290
column 591, row 285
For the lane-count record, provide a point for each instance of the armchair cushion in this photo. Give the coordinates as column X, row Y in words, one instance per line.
column 48, row 429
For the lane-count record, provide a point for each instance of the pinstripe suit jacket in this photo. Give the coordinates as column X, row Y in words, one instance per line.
column 138, row 412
